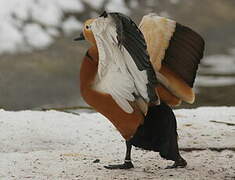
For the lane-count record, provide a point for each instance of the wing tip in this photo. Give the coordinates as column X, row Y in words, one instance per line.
column 186, row 50
column 176, row 85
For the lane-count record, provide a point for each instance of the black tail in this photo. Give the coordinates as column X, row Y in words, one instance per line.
column 158, row 133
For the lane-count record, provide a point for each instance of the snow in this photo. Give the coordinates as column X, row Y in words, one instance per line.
column 117, row 5
column 71, row 25
column 70, row 5
column 217, row 70
column 213, row 81
column 59, row 145
column 20, row 19
column 219, row 64
column 10, row 37
column 49, row 15
column 38, row 15
column 97, row 4
column 46, row 14
column 198, row 129
column 36, row 36
column 52, row 31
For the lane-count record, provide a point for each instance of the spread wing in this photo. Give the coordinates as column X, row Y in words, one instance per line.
column 131, row 38
column 175, row 52
column 124, row 68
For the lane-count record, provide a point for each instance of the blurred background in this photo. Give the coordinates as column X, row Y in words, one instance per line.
column 39, row 62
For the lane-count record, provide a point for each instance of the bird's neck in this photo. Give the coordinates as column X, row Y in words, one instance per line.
column 88, row 70
column 93, row 52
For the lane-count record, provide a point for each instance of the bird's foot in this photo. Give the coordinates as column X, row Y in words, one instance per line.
column 125, row 165
column 179, row 163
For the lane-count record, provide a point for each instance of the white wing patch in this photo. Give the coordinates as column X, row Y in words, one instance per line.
column 118, row 74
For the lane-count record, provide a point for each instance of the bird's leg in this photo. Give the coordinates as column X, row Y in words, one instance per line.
column 180, row 162
column 127, row 163
column 127, row 160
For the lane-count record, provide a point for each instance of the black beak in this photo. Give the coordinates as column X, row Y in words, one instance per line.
column 80, row 38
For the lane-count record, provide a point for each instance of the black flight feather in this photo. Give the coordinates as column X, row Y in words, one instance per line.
column 184, row 53
column 129, row 36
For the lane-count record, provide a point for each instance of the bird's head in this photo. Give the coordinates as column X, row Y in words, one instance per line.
column 95, row 25
column 87, row 33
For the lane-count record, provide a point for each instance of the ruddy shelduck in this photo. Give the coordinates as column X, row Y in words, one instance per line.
column 132, row 75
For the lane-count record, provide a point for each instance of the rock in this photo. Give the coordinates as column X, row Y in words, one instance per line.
column 96, row 161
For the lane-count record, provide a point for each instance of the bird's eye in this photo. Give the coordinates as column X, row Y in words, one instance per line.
column 88, row 27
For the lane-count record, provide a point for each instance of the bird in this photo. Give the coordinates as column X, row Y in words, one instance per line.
column 134, row 76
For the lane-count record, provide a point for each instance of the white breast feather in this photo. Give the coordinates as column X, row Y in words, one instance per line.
column 118, row 74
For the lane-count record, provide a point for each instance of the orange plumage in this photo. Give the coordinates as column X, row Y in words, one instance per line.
column 125, row 123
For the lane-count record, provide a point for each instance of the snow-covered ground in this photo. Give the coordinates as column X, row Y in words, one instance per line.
column 59, row 145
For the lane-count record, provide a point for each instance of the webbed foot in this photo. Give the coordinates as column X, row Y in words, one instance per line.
column 179, row 163
column 125, row 165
